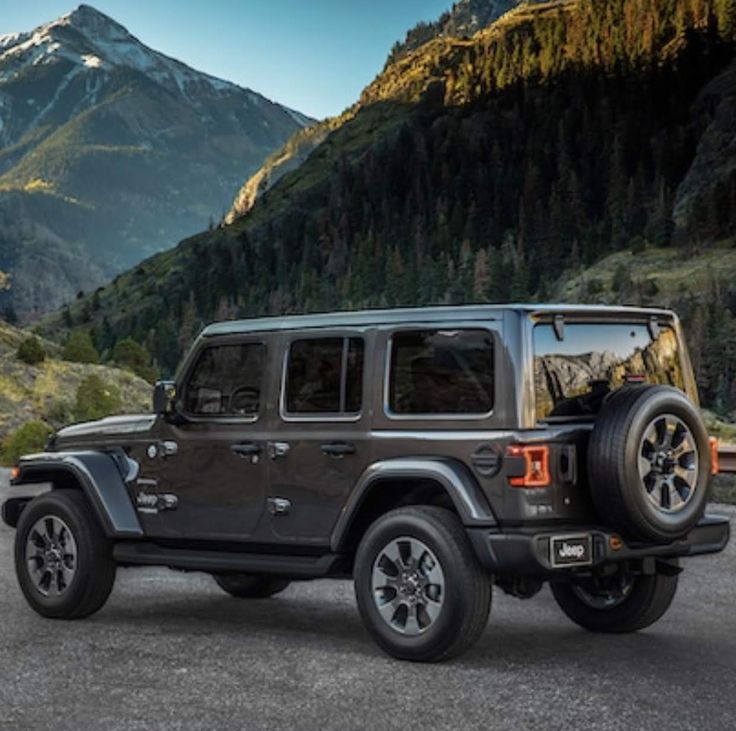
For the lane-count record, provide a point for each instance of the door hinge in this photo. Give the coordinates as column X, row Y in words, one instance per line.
column 162, row 449
column 278, row 505
column 278, row 449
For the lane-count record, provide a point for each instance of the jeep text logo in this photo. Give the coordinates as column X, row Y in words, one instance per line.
column 570, row 551
column 155, row 502
column 145, row 500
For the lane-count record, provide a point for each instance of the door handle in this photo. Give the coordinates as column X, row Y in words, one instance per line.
column 245, row 449
column 338, row 449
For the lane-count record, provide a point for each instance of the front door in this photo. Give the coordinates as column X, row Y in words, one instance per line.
column 210, row 467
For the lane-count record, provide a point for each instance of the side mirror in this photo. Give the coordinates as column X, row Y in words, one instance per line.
column 164, row 395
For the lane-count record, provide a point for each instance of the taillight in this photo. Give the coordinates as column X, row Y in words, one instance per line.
column 536, row 465
column 715, row 464
column 14, row 473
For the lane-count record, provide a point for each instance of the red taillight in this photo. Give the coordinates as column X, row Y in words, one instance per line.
column 715, row 464
column 536, row 463
column 14, row 473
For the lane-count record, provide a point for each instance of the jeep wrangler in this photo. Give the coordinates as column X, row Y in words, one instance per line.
column 430, row 454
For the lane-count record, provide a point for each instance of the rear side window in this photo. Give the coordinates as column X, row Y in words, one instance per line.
column 441, row 372
column 573, row 375
column 325, row 376
column 226, row 381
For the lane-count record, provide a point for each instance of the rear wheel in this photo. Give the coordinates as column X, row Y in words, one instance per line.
column 617, row 604
column 420, row 589
column 250, row 586
column 63, row 559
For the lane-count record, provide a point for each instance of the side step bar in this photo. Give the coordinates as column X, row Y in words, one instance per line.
column 298, row 567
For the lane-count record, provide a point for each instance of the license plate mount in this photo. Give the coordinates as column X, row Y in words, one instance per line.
column 571, row 550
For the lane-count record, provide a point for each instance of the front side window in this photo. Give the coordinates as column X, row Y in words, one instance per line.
column 226, row 381
column 573, row 375
column 325, row 376
column 441, row 372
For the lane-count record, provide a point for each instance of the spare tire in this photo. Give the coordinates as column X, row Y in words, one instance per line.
column 649, row 465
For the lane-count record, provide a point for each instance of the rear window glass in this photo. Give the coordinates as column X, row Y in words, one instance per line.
column 441, row 372
column 325, row 376
column 572, row 376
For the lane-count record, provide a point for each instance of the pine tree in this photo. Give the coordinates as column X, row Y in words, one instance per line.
column 481, row 276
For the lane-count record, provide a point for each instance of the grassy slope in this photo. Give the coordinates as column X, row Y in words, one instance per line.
column 674, row 273
column 48, row 391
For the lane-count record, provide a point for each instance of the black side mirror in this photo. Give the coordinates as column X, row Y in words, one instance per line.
column 164, row 395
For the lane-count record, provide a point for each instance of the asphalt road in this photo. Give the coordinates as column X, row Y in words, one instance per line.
column 171, row 651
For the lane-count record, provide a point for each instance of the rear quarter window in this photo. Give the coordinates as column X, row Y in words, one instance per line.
column 438, row 372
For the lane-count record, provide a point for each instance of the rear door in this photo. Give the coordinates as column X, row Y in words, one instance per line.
column 216, row 468
column 322, row 442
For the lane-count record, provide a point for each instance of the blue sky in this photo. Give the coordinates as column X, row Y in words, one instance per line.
column 313, row 55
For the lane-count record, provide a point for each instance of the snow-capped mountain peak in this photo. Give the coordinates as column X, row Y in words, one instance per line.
column 91, row 22
column 91, row 41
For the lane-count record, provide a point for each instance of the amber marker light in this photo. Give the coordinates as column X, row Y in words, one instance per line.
column 615, row 543
column 15, row 473
column 715, row 463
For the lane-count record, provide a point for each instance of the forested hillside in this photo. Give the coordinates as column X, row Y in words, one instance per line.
column 500, row 167
column 463, row 19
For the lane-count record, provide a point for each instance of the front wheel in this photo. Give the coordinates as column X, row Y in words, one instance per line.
column 617, row 604
column 420, row 590
column 63, row 559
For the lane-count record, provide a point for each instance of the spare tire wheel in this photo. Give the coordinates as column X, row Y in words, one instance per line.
column 649, row 463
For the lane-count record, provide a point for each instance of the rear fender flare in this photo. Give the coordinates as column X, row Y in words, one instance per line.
column 467, row 497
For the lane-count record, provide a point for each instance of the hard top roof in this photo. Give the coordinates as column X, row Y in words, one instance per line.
column 416, row 314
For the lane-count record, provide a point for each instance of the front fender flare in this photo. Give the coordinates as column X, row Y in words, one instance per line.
column 471, row 504
column 100, row 476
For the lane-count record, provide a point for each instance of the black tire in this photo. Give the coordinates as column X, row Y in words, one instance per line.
column 250, row 586
column 623, row 498
column 648, row 599
column 465, row 593
column 92, row 570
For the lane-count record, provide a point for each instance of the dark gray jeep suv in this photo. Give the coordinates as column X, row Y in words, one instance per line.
column 429, row 453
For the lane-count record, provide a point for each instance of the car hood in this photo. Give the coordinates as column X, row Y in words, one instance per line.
column 109, row 426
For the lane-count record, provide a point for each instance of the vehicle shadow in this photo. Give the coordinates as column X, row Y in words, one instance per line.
column 313, row 621
column 322, row 623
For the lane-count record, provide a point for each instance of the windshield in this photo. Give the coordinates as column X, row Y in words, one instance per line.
column 572, row 376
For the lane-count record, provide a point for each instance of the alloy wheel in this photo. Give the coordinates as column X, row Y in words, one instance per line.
column 668, row 463
column 408, row 585
column 605, row 594
column 51, row 556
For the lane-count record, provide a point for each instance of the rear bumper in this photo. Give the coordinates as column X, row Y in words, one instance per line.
column 527, row 552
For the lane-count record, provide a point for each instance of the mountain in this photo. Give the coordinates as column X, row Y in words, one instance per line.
column 507, row 165
column 111, row 151
column 463, row 19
